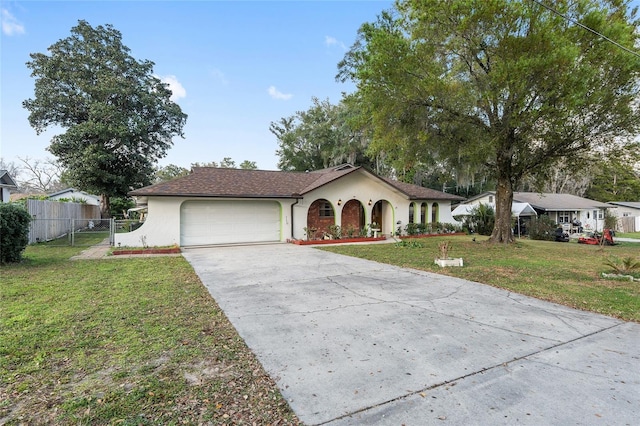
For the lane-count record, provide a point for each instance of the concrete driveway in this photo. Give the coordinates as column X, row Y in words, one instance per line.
column 353, row 342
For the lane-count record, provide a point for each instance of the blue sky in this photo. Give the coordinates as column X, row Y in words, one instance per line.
column 234, row 66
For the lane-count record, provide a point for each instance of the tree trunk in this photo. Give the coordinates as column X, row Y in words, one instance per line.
column 502, row 232
column 105, row 206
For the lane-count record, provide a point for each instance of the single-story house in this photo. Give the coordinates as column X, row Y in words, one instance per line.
column 226, row 206
column 7, row 184
column 628, row 213
column 561, row 208
column 75, row 195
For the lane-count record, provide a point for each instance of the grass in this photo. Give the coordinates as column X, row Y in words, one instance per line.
column 628, row 235
column 123, row 341
column 564, row 273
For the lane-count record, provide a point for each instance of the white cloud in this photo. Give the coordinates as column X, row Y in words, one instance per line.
column 332, row 41
column 10, row 25
column 177, row 90
column 276, row 94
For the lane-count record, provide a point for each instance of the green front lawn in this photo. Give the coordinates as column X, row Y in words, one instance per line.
column 123, row 341
column 565, row 273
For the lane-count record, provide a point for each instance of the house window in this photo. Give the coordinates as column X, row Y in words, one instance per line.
column 564, row 217
column 490, row 199
column 626, row 214
column 412, row 208
column 423, row 213
column 325, row 209
column 600, row 214
column 434, row 213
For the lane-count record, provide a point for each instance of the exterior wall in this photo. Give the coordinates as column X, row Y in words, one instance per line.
column 367, row 190
column 5, row 196
column 622, row 211
column 90, row 199
column 162, row 226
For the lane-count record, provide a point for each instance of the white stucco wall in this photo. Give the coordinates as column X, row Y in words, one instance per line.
column 162, row 226
column 363, row 187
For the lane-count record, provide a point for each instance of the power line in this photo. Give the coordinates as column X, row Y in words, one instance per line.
column 549, row 8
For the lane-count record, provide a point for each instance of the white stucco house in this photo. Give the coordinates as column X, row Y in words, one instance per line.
column 561, row 208
column 226, row 206
column 74, row 194
column 7, row 184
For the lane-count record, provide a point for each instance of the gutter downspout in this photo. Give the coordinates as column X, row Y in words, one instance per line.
column 297, row 201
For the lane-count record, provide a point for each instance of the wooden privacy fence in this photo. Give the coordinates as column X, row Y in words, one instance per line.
column 52, row 219
column 629, row 224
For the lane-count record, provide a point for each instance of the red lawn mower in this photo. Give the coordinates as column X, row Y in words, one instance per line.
column 595, row 238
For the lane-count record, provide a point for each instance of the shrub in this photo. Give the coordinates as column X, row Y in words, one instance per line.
column 411, row 229
column 334, row 232
column 482, row 219
column 14, row 232
column 625, row 265
column 543, row 228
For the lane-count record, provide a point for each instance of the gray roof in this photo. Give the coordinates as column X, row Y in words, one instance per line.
column 630, row 204
column 7, row 181
column 557, row 202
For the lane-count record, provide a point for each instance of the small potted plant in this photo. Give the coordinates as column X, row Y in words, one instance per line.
column 443, row 259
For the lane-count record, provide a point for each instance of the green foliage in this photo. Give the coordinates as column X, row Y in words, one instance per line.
column 411, row 229
column 320, row 137
column 616, row 177
column 481, row 219
column 505, row 89
column 334, row 231
column 14, row 228
column 626, row 265
column 407, row 243
column 118, row 117
column 542, row 228
column 119, row 206
column 169, row 172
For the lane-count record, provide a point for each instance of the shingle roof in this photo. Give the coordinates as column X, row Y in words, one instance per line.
column 557, row 202
column 631, row 204
column 240, row 183
column 6, row 180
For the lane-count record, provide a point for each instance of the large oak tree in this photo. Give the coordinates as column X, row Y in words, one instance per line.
column 117, row 116
column 511, row 86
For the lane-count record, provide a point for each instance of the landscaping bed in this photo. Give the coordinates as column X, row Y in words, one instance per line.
column 150, row 250
column 336, row 241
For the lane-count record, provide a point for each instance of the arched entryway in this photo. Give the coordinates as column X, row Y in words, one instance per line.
column 382, row 215
column 352, row 218
column 320, row 216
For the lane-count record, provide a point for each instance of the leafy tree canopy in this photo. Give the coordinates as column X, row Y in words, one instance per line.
column 118, row 117
column 616, row 177
column 320, row 137
column 507, row 86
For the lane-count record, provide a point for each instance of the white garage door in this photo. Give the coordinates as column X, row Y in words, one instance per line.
column 227, row 222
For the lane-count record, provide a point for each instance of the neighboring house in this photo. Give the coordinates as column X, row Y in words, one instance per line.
column 561, row 208
column 223, row 206
column 74, row 194
column 628, row 213
column 7, row 183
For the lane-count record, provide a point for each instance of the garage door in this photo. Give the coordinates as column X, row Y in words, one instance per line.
column 227, row 222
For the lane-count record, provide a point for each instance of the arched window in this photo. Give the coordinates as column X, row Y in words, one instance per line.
column 434, row 212
column 423, row 213
column 412, row 208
